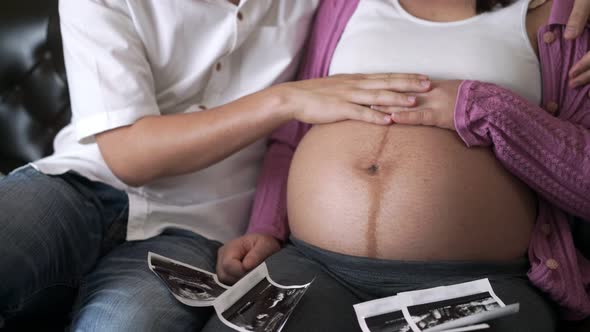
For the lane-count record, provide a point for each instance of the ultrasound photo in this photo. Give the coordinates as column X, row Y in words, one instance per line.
column 429, row 315
column 388, row 322
column 459, row 307
column 255, row 303
column 189, row 285
column 264, row 308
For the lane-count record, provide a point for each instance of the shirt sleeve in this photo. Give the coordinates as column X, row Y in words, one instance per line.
column 109, row 76
column 269, row 212
column 550, row 154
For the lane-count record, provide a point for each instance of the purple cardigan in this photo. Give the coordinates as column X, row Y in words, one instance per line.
column 549, row 149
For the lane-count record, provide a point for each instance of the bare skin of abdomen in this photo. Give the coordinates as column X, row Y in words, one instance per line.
column 405, row 193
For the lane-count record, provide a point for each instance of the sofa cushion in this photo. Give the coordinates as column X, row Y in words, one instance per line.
column 34, row 101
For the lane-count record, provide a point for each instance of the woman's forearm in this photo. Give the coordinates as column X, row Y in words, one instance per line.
column 550, row 154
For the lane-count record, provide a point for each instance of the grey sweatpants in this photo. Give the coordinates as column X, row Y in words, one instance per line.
column 342, row 281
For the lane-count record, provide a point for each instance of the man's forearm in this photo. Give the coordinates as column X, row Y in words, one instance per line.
column 162, row 146
column 170, row 145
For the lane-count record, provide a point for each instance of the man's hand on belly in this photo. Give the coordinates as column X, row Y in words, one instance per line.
column 350, row 96
column 240, row 256
column 434, row 108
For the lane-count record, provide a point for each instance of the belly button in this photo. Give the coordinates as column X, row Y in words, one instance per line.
column 373, row 169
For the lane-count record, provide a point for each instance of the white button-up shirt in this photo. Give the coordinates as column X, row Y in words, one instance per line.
column 127, row 59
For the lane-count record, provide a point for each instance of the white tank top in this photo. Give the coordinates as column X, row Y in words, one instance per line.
column 382, row 37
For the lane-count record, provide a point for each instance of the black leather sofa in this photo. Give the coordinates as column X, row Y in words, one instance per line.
column 34, row 101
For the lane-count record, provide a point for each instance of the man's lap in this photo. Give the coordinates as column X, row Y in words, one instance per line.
column 55, row 230
column 121, row 293
column 50, row 235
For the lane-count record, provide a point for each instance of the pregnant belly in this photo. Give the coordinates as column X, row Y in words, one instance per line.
column 410, row 193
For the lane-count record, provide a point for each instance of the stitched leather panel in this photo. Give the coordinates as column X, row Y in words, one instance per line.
column 34, row 101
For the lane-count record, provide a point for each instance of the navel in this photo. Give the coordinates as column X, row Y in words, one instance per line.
column 373, row 170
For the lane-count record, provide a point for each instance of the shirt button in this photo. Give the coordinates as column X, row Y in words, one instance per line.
column 218, row 66
column 552, row 107
column 548, row 37
column 240, row 16
column 546, row 229
column 552, row 264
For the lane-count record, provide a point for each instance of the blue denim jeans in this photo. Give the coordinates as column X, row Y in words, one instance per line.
column 62, row 242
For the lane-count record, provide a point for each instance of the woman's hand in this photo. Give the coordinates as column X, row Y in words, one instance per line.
column 351, row 97
column 578, row 19
column 240, row 256
column 579, row 74
column 434, row 108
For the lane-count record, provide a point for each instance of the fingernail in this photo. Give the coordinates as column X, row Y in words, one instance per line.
column 425, row 83
column 574, row 84
column 412, row 99
column 570, row 32
column 387, row 119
